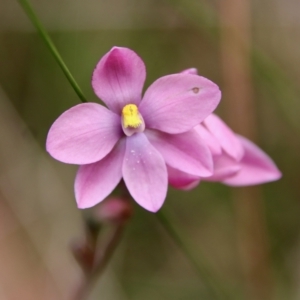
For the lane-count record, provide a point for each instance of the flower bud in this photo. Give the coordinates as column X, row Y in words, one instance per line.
column 113, row 210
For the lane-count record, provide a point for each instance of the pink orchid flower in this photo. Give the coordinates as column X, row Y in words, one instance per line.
column 237, row 161
column 134, row 138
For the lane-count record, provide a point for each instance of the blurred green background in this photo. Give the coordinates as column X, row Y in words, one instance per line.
column 248, row 237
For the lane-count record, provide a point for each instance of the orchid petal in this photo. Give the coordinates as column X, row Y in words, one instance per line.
column 83, row 134
column 186, row 151
column 226, row 137
column 118, row 78
column 209, row 139
column 181, row 180
column 256, row 167
column 193, row 71
column 94, row 182
column 176, row 103
column 224, row 167
column 145, row 173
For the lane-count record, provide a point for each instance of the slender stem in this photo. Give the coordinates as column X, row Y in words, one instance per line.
column 215, row 288
column 46, row 38
column 102, row 257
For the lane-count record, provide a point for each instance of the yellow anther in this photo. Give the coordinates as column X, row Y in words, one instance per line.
column 131, row 116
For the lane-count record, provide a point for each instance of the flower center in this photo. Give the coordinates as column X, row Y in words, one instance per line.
column 131, row 116
column 132, row 120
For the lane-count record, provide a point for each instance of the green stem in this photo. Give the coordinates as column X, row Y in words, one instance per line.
column 46, row 38
column 102, row 257
column 215, row 288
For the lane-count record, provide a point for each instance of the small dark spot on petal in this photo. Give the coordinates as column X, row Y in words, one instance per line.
column 196, row 90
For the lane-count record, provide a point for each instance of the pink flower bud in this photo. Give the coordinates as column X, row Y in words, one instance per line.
column 113, row 209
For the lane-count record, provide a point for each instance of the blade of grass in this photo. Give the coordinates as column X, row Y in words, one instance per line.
column 46, row 38
column 214, row 285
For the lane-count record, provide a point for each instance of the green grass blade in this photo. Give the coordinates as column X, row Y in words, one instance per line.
column 214, row 285
column 46, row 38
